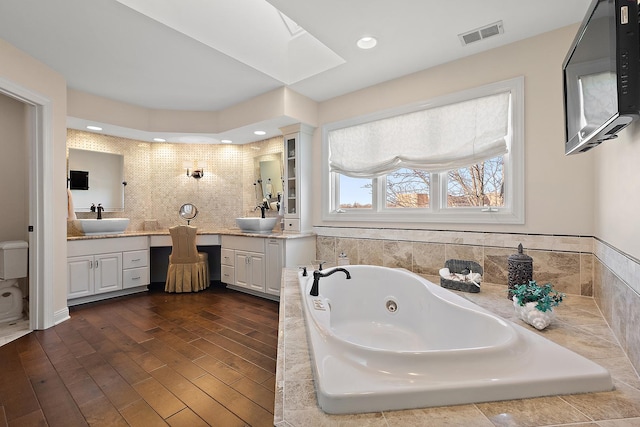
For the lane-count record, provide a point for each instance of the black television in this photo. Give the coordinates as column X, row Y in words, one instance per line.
column 601, row 74
column 78, row 180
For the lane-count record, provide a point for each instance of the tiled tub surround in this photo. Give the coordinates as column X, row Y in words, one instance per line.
column 157, row 184
column 565, row 261
column 579, row 327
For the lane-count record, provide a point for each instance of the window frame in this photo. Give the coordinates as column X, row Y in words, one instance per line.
column 514, row 169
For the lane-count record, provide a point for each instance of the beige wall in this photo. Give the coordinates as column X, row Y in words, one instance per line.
column 559, row 190
column 24, row 71
column 617, row 203
column 157, row 184
column 14, row 177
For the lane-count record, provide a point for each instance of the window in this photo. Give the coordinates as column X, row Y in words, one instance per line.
column 458, row 158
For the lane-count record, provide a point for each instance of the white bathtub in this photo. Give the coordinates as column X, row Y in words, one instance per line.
column 388, row 339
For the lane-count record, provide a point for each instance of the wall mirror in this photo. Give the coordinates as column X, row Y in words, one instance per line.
column 269, row 174
column 96, row 177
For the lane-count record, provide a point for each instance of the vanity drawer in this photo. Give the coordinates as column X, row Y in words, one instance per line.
column 135, row 277
column 291, row 224
column 227, row 274
column 135, row 259
column 227, row 257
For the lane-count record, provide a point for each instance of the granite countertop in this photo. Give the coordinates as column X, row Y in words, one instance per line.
column 217, row 231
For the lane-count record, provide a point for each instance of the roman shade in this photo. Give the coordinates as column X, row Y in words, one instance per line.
column 436, row 139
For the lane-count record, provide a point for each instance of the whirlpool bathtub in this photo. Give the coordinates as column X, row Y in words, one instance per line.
column 388, row 339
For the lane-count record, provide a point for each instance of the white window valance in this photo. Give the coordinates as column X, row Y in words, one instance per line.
column 437, row 139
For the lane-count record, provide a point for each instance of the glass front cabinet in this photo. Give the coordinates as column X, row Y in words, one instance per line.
column 297, row 177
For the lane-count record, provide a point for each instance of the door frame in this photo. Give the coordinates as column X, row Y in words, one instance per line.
column 41, row 166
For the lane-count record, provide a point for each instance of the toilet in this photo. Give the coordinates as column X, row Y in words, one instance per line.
column 13, row 265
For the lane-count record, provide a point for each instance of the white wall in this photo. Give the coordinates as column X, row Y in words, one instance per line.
column 559, row 189
column 14, row 178
column 26, row 72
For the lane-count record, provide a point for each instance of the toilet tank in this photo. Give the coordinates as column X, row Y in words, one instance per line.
column 13, row 259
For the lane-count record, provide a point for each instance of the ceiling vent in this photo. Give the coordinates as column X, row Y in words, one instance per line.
column 481, row 33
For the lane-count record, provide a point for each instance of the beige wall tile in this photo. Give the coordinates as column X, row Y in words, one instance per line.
column 398, row 254
column 561, row 269
column 428, row 258
column 157, row 184
column 370, row 252
column 496, row 265
column 586, row 274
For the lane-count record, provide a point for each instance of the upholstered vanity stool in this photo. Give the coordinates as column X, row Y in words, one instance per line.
column 188, row 269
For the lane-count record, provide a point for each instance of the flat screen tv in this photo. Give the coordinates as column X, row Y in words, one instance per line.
column 601, row 75
column 78, row 180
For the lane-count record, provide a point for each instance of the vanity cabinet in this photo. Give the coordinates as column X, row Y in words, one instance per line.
column 88, row 275
column 254, row 264
column 227, row 266
column 242, row 261
column 105, row 268
column 250, row 271
column 297, row 171
column 274, row 258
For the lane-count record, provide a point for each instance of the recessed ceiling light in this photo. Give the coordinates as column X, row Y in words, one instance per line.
column 367, row 42
column 260, row 132
column 91, row 127
column 226, row 141
column 159, row 140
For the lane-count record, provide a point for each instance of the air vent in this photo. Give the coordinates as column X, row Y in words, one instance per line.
column 481, row 33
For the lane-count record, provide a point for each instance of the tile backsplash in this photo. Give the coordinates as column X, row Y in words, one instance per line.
column 157, row 183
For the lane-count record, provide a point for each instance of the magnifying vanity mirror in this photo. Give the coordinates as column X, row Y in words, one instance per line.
column 188, row 211
column 96, row 178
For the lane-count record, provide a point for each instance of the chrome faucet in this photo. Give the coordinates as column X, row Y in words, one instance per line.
column 318, row 274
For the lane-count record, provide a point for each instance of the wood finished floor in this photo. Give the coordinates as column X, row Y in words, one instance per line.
column 147, row 360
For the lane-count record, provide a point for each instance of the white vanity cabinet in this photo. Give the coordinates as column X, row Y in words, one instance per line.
column 249, row 269
column 88, row 275
column 242, row 263
column 254, row 264
column 105, row 268
column 297, row 171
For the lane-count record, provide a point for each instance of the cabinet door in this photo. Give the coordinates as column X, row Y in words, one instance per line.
column 242, row 269
column 273, row 265
column 79, row 276
column 256, row 272
column 292, row 189
column 108, row 272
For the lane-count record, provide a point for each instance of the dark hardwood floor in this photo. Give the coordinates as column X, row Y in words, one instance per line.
column 147, row 360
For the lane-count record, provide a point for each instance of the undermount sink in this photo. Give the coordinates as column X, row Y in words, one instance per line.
column 256, row 224
column 102, row 226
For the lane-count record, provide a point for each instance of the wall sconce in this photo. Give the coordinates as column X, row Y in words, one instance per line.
column 193, row 170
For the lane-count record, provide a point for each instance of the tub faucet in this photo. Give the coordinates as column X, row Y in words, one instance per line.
column 318, row 274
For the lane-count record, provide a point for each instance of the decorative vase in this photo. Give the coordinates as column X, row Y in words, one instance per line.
column 531, row 315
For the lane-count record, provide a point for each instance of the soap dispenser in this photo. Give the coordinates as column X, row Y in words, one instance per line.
column 343, row 259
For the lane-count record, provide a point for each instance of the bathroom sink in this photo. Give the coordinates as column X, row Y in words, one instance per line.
column 102, row 226
column 256, row 225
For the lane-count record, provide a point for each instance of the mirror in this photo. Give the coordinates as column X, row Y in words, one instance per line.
column 269, row 172
column 96, row 177
column 188, row 211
